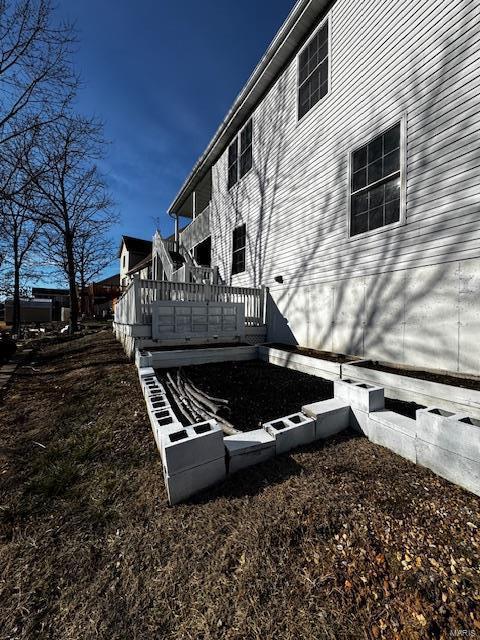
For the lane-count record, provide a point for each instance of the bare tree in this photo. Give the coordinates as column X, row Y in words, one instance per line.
column 20, row 232
column 93, row 252
column 37, row 81
column 72, row 195
column 19, row 226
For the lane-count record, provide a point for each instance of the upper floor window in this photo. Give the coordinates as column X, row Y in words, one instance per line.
column 313, row 71
column 233, row 163
column 246, row 147
column 375, row 183
column 239, row 249
column 240, row 163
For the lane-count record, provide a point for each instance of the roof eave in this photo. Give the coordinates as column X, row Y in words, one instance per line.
column 290, row 35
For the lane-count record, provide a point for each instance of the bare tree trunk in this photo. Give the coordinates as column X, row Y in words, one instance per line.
column 16, row 288
column 72, row 285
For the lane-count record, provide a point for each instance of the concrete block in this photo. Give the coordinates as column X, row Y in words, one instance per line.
column 359, row 395
column 154, row 390
column 145, row 372
column 395, row 432
column 151, row 386
column 157, row 402
column 291, row 431
column 160, row 432
column 248, row 448
column 142, row 359
column 424, row 392
column 299, row 362
column 185, row 484
column 451, row 466
column 163, row 416
column 359, row 421
column 188, row 357
column 192, row 446
column 331, row 416
column 457, row 433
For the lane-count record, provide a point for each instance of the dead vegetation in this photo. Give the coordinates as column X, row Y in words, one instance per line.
column 341, row 540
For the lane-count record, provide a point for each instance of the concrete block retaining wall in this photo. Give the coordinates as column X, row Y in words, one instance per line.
column 423, row 392
column 298, row 362
column 188, row 357
column 445, row 441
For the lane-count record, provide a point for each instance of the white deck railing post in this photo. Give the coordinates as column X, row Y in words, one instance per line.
column 137, row 299
column 265, row 291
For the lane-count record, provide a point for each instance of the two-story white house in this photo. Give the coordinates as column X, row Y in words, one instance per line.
column 346, row 178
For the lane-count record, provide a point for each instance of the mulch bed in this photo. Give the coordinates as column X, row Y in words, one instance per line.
column 259, row 392
column 337, row 540
column 444, row 378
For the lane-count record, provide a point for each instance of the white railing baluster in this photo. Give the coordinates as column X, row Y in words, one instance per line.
column 135, row 305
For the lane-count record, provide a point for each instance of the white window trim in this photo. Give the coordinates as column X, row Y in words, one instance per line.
column 238, row 138
column 297, row 71
column 403, row 178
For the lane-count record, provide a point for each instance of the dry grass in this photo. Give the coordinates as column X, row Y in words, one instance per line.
column 344, row 540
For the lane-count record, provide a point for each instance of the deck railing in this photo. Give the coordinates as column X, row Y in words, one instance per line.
column 191, row 273
column 135, row 305
column 127, row 306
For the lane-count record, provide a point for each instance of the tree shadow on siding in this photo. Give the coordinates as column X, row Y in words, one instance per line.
column 363, row 308
column 253, row 199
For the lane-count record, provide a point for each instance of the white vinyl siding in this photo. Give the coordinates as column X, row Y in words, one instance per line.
column 303, row 188
column 412, row 62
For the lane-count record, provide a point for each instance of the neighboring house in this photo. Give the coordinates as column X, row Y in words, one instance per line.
column 98, row 297
column 60, row 298
column 132, row 252
column 346, row 178
column 31, row 311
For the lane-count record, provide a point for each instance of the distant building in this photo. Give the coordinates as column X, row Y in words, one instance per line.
column 135, row 255
column 98, row 297
column 31, row 311
column 58, row 298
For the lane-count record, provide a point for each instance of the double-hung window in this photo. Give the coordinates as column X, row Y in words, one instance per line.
column 240, row 155
column 375, row 191
column 313, row 71
column 239, row 242
column 233, row 163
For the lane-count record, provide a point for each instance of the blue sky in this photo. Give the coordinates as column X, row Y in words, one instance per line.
column 162, row 74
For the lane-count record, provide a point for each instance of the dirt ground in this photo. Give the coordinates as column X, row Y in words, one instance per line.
column 337, row 540
column 259, row 392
